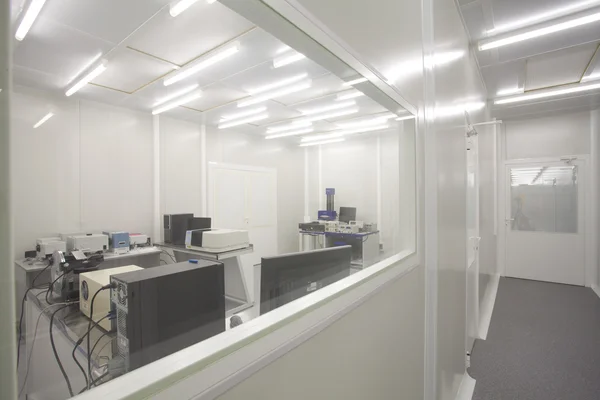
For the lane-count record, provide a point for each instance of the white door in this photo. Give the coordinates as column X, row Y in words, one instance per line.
column 545, row 235
column 245, row 197
column 472, row 241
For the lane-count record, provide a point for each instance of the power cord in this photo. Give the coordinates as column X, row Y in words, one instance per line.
column 51, row 288
column 78, row 343
column 170, row 256
column 89, row 364
column 22, row 310
column 62, row 369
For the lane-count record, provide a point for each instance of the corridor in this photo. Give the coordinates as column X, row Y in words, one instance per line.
column 543, row 344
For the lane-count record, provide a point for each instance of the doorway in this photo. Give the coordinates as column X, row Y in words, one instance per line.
column 545, row 221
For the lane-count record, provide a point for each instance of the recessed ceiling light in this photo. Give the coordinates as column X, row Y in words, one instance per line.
column 333, row 114
column 287, row 127
column 322, row 142
column 203, row 63
column 291, row 133
column 277, row 84
column 365, row 129
column 334, row 106
column 178, row 102
column 229, row 117
column 326, row 136
column 542, row 17
column 550, row 93
column 30, row 15
column 573, row 23
column 349, row 95
column 276, row 93
column 406, row 117
column 355, row 81
column 509, row 91
column 86, row 79
column 243, row 121
column 180, row 6
column 175, row 95
column 44, row 119
column 287, row 59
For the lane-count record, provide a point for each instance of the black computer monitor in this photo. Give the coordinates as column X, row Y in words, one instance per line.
column 199, row 223
column 290, row 276
column 347, row 214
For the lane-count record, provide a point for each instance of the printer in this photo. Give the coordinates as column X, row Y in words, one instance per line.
column 216, row 240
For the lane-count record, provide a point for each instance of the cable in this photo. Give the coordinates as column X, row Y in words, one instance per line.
column 22, row 312
column 56, row 353
column 98, row 357
column 166, row 263
column 33, row 343
column 98, row 341
column 170, row 256
column 85, row 376
column 89, row 364
column 51, row 288
column 95, row 381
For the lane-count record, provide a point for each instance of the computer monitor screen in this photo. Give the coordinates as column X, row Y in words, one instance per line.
column 347, row 214
column 288, row 277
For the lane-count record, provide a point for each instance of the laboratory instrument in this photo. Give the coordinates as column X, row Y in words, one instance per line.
column 88, row 242
column 65, row 271
column 139, row 240
column 118, row 242
column 47, row 246
column 217, row 240
column 175, row 227
column 329, row 214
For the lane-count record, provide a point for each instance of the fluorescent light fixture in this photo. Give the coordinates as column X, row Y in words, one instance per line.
column 335, row 106
column 349, row 95
column 543, row 16
column 327, row 136
column 283, row 49
column 550, row 93
column 591, row 77
column 41, row 121
column 276, row 93
column 243, row 121
column 406, row 117
column 365, row 122
column 291, row 133
column 509, row 91
column 288, row 127
column 86, row 79
column 30, row 15
column 287, row 59
column 322, row 142
column 177, row 103
column 176, row 95
column 228, row 117
column 355, row 81
column 365, row 129
column 180, row 6
column 573, row 23
column 204, row 63
column 211, row 1
column 278, row 84
column 333, row 114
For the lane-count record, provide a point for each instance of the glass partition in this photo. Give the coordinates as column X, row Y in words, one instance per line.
column 192, row 171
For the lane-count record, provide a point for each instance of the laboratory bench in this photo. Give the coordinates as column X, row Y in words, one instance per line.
column 365, row 245
column 27, row 269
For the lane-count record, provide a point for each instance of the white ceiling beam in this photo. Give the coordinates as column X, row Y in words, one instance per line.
column 592, row 66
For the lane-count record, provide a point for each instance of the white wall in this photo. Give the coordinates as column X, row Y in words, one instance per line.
column 286, row 157
column 363, row 355
column 87, row 168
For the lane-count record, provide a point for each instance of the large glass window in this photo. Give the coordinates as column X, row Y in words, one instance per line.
column 181, row 171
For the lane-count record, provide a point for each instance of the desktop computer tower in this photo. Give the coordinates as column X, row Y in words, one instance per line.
column 165, row 309
column 175, row 226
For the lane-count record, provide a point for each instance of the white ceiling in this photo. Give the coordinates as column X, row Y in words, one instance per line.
column 143, row 43
column 557, row 59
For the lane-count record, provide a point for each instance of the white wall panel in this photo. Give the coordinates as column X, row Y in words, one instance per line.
column 246, row 149
column 116, row 168
column 180, row 166
column 550, row 136
column 45, row 167
column 354, row 359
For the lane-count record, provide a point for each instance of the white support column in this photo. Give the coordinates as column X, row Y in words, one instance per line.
column 379, row 189
column 203, row 168
column 8, row 376
column 306, row 185
column 156, row 221
column 321, row 193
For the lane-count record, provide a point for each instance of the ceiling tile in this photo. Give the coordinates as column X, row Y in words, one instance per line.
column 215, row 95
column 323, row 86
column 59, row 50
column 559, row 67
column 194, row 32
column 128, row 70
column 111, row 20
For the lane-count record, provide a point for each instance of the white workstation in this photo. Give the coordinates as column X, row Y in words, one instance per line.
column 188, row 141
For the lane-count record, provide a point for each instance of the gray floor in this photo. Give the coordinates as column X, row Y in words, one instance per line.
column 543, row 344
